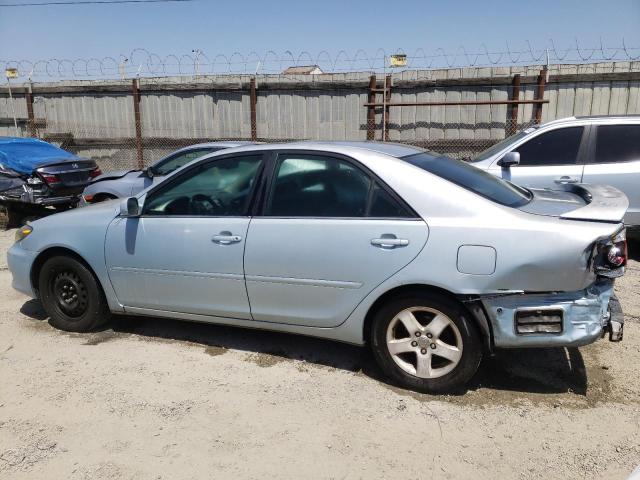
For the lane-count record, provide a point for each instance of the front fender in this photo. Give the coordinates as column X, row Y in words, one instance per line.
column 82, row 232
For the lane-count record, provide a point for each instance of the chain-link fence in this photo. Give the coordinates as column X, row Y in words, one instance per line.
column 127, row 124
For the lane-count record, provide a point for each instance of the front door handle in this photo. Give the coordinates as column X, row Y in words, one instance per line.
column 389, row 242
column 565, row 179
column 226, row 238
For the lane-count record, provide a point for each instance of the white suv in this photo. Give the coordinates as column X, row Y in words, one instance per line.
column 599, row 150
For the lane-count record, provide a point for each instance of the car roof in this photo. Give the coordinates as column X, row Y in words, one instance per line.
column 595, row 118
column 389, row 148
column 224, row 144
column 396, row 150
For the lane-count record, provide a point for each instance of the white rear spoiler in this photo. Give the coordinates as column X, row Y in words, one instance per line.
column 604, row 203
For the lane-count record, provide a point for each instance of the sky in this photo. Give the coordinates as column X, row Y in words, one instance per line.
column 224, row 27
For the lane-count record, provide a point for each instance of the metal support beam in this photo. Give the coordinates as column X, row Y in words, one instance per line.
column 542, row 80
column 138, row 121
column 371, row 110
column 512, row 117
column 253, row 102
column 387, row 96
column 480, row 102
column 31, row 120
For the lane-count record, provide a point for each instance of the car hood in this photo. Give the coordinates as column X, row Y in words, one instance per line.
column 25, row 155
column 113, row 175
column 600, row 203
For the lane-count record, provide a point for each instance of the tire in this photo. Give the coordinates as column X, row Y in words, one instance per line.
column 416, row 362
column 9, row 217
column 60, row 279
column 4, row 217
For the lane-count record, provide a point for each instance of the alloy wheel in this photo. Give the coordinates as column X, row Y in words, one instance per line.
column 424, row 342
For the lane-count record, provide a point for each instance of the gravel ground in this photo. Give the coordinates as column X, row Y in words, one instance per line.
column 160, row 399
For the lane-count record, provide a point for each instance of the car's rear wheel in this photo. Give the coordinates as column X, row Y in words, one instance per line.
column 426, row 342
column 71, row 295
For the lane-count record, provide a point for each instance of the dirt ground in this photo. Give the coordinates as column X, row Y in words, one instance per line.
column 161, row 399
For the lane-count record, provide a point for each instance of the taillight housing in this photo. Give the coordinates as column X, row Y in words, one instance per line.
column 96, row 172
column 611, row 256
column 617, row 251
column 50, row 178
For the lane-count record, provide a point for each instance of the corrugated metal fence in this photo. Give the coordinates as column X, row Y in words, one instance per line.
column 125, row 123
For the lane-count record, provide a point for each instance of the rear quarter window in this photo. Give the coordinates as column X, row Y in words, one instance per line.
column 471, row 178
column 617, row 143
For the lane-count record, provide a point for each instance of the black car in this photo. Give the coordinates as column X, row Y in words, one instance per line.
column 36, row 177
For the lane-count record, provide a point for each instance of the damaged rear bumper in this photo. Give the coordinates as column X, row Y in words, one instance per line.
column 30, row 196
column 562, row 319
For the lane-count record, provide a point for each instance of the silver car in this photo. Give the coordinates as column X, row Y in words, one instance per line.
column 124, row 183
column 602, row 150
column 428, row 260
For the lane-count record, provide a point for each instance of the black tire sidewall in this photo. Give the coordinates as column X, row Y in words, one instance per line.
column 96, row 312
column 452, row 382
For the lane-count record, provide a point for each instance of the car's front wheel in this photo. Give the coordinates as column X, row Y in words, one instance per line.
column 71, row 295
column 426, row 342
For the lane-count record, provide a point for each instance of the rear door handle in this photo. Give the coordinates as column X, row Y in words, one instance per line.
column 389, row 242
column 226, row 238
column 565, row 179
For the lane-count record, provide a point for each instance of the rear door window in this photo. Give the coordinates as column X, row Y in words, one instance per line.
column 319, row 186
column 557, row 147
column 617, row 143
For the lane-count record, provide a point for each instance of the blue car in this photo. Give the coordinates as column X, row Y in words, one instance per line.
column 125, row 183
column 428, row 260
column 35, row 174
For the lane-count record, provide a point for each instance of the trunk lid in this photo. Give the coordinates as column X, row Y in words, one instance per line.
column 68, row 177
column 599, row 203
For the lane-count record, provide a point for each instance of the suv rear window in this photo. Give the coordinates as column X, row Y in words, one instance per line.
column 617, row 143
column 471, row 178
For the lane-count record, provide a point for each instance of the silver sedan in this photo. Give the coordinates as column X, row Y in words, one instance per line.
column 124, row 183
column 429, row 261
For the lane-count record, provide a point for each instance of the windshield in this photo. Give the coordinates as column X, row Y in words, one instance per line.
column 471, row 178
column 178, row 160
column 492, row 150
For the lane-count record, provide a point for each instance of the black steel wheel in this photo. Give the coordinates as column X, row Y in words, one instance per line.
column 71, row 295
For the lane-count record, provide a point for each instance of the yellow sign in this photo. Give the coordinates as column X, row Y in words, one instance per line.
column 11, row 73
column 398, row 60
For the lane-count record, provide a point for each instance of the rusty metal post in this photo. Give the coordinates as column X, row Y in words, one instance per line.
column 136, row 113
column 512, row 116
column 253, row 101
column 371, row 109
column 542, row 80
column 387, row 95
column 31, row 119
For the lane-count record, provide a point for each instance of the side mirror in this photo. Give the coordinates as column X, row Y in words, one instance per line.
column 148, row 172
column 130, row 207
column 509, row 159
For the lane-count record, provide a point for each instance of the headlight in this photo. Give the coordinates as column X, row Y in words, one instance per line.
column 23, row 232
